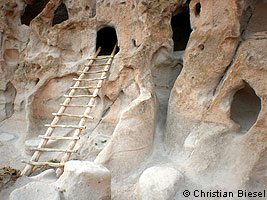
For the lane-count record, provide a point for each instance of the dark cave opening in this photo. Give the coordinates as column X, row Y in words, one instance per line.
column 181, row 29
column 60, row 15
column 245, row 107
column 197, row 9
column 167, row 72
column 32, row 10
column 106, row 39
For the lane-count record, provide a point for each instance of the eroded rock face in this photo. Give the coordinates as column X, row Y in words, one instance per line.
column 220, row 60
column 157, row 104
column 14, row 38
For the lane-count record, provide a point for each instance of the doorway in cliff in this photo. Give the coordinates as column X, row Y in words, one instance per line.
column 106, row 39
column 181, row 28
column 167, row 65
column 245, row 108
column 60, row 15
column 32, row 10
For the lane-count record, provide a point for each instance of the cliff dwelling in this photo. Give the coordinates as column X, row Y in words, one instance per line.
column 174, row 102
column 32, row 9
column 106, row 39
column 60, row 15
column 181, row 29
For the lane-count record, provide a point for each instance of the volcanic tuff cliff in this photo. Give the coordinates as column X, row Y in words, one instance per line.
column 185, row 99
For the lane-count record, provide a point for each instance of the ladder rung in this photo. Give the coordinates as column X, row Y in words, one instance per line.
column 58, row 137
column 80, row 106
column 71, row 115
column 51, row 164
column 90, row 79
column 89, row 87
column 65, row 126
column 53, row 150
column 93, row 72
column 101, row 58
column 102, row 64
column 79, row 96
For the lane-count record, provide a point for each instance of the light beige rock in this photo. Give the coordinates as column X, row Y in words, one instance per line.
column 135, row 125
column 35, row 190
column 48, row 176
column 85, row 180
column 159, row 183
column 4, row 137
column 29, row 144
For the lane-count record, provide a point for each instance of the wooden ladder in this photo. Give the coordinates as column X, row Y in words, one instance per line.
column 88, row 70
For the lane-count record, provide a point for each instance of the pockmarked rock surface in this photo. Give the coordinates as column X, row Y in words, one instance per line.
column 187, row 87
column 85, row 180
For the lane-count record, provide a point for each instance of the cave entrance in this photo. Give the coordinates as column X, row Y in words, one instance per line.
column 60, row 15
column 245, row 107
column 32, row 10
column 106, row 39
column 181, row 29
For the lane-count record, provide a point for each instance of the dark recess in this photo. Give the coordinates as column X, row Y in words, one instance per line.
column 32, row 10
column 181, row 30
column 106, row 38
column 61, row 14
column 245, row 107
column 197, row 9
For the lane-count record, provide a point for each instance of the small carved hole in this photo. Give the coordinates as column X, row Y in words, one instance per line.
column 36, row 81
column 201, row 47
column 134, row 42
